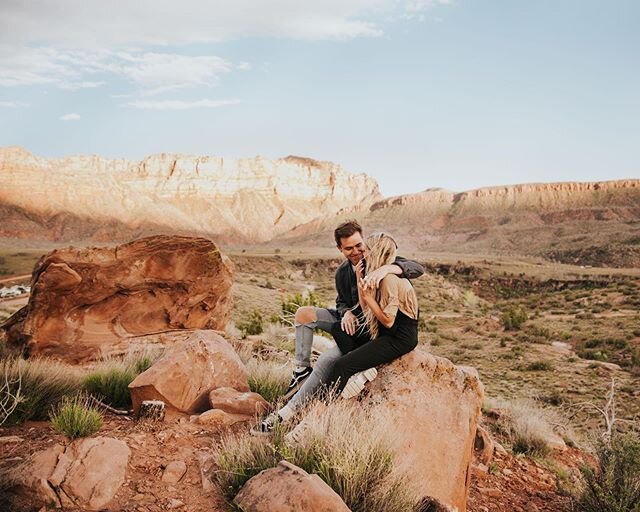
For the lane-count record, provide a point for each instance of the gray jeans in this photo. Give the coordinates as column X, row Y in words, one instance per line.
column 304, row 334
column 324, row 364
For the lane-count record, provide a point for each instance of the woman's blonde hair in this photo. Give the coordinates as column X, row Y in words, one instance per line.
column 382, row 250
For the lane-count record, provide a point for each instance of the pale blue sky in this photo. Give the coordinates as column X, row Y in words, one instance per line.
column 456, row 94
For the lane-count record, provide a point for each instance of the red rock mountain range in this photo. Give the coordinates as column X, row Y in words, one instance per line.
column 297, row 200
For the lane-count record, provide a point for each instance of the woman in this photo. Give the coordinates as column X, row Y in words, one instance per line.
column 388, row 330
column 390, row 324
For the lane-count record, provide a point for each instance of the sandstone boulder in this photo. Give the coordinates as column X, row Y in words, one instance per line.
column 233, row 401
column 90, row 302
column 86, row 475
column 288, row 488
column 435, row 409
column 185, row 375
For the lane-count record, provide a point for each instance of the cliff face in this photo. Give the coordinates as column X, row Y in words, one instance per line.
column 248, row 199
column 563, row 221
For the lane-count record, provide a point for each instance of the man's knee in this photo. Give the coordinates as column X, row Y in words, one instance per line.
column 305, row 315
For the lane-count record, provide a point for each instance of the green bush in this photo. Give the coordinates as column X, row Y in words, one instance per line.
column 251, row 325
column 614, row 484
column 539, row 366
column 513, row 318
column 291, row 303
column 109, row 381
column 75, row 417
column 40, row 385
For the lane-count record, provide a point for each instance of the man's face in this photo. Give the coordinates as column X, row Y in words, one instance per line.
column 353, row 248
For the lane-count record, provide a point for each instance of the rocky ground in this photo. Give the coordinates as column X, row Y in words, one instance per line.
column 583, row 330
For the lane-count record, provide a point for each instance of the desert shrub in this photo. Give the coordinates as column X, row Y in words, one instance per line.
column 513, row 318
column 525, row 425
column 348, row 448
column 109, row 381
column 268, row 378
column 291, row 303
column 539, row 366
column 542, row 332
column 75, row 417
column 614, row 484
column 253, row 324
column 37, row 384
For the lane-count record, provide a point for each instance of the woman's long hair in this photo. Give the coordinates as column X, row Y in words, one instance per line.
column 381, row 251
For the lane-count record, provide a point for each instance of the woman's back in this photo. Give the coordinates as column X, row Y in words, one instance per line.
column 397, row 293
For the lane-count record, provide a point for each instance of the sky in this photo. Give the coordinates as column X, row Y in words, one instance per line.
column 457, row 94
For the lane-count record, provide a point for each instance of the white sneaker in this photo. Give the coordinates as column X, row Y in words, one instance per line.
column 356, row 383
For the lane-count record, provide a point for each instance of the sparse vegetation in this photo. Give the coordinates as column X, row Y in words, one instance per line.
column 613, row 485
column 347, row 448
column 109, row 381
column 513, row 318
column 42, row 383
column 268, row 378
column 253, row 324
column 76, row 417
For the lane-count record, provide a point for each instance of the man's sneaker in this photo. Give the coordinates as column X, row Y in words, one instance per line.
column 356, row 383
column 267, row 425
column 297, row 379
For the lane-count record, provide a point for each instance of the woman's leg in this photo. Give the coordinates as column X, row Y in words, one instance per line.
column 383, row 349
column 319, row 376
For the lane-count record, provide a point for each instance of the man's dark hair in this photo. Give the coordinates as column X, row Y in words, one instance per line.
column 345, row 230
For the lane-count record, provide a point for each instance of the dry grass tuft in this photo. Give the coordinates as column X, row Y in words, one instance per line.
column 349, row 449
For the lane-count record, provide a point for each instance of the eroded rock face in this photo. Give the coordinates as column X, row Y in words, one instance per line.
column 185, row 375
column 87, row 474
column 435, row 408
column 245, row 199
column 89, row 302
column 288, row 488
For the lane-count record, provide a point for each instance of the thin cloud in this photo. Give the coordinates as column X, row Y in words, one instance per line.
column 180, row 105
column 70, row 117
column 14, row 104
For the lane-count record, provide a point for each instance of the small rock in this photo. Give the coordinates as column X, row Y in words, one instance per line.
column 10, row 439
column 174, row 503
column 174, row 472
column 138, row 497
column 507, row 472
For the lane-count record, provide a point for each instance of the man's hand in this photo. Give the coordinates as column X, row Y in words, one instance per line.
column 349, row 323
column 373, row 279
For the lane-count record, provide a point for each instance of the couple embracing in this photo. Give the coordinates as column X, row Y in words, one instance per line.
column 375, row 320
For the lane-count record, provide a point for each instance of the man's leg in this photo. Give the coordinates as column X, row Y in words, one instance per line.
column 306, row 320
column 383, row 349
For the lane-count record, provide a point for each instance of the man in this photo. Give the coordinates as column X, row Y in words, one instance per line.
column 349, row 241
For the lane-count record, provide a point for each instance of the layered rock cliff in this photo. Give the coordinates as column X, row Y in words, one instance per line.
column 551, row 220
column 236, row 200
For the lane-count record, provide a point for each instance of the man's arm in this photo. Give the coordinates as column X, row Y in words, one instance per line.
column 341, row 302
column 401, row 267
column 410, row 269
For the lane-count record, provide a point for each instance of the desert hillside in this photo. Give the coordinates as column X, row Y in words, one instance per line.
column 594, row 224
column 233, row 200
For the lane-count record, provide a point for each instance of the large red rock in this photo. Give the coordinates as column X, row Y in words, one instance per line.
column 86, row 474
column 90, row 302
column 288, row 488
column 434, row 408
column 184, row 376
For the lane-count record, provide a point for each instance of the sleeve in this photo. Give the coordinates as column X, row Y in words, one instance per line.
column 389, row 296
column 410, row 269
column 341, row 302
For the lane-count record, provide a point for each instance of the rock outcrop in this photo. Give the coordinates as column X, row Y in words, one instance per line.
column 435, row 409
column 584, row 223
column 86, row 474
column 288, row 488
column 187, row 373
column 86, row 303
column 240, row 200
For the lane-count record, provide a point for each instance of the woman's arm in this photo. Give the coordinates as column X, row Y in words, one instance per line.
column 371, row 302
